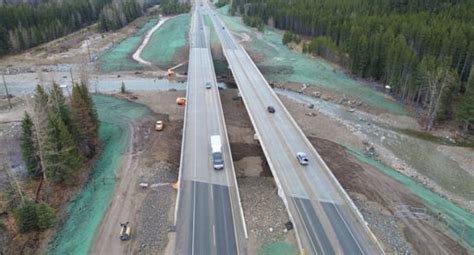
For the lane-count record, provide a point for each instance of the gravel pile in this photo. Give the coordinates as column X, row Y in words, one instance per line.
column 160, row 172
column 154, row 220
column 155, row 208
column 264, row 211
column 384, row 226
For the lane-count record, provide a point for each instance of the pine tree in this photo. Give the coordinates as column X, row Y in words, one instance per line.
column 58, row 102
column 122, row 88
column 62, row 157
column 29, row 147
column 40, row 108
column 25, row 216
column 83, row 111
column 465, row 113
column 46, row 217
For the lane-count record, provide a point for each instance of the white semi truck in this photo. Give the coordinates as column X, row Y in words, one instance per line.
column 217, row 159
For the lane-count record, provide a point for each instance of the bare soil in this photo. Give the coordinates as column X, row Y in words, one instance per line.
column 382, row 195
column 71, row 49
column 153, row 159
column 379, row 189
column 264, row 211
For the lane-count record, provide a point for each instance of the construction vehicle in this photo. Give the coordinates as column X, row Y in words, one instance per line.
column 171, row 73
column 125, row 232
column 181, row 100
column 216, row 146
column 159, row 125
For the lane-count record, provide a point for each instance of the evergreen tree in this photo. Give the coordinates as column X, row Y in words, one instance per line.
column 25, row 217
column 58, row 102
column 28, row 146
column 45, row 215
column 83, row 111
column 33, row 216
column 465, row 114
column 122, row 88
column 287, row 37
column 63, row 160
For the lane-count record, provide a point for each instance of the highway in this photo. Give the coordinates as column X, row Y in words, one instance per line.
column 325, row 218
column 209, row 217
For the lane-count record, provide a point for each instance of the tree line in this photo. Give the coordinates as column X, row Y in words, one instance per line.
column 118, row 14
column 170, row 7
column 424, row 50
column 57, row 140
column 24, row 26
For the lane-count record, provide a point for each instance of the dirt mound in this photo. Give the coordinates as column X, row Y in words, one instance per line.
column 376, row 186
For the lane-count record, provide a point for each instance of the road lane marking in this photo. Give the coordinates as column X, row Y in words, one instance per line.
column 214, row 234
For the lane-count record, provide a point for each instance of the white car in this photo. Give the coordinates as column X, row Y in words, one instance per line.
column 302, row 158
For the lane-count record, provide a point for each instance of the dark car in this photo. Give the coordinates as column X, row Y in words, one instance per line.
column 270, row 109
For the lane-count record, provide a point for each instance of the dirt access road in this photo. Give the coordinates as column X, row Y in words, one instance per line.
column 149, row 159
column 121, row 208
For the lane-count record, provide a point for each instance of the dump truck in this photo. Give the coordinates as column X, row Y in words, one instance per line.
column 216, row 146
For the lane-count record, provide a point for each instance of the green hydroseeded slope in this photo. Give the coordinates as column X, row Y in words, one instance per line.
column 459, row 222
column 119, row 57
column 86, row 210
column 167, row 45
column 282, row 64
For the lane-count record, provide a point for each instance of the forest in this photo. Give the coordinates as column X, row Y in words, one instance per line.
column 24, row 26
column 59, row 137
column 423, row 50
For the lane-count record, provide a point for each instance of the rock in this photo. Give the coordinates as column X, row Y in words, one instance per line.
column 327, row 98
column 316, row 94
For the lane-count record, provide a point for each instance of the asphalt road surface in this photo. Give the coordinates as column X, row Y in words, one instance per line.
column 326, row 220
column 209, row 214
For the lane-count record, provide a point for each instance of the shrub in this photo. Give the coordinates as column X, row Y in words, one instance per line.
column 33, row 216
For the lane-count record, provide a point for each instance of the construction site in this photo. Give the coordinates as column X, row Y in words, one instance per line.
column 398, row 179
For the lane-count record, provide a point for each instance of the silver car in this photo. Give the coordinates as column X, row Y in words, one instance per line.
column 302, row 158
column 208, row 85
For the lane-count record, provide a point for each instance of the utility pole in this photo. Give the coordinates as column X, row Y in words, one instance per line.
column 88, row 51
column 72, row 79
column 6, row 90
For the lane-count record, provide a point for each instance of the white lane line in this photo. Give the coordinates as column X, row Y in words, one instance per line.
column 214, row 234
column 195, row 149
column 347, row 227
